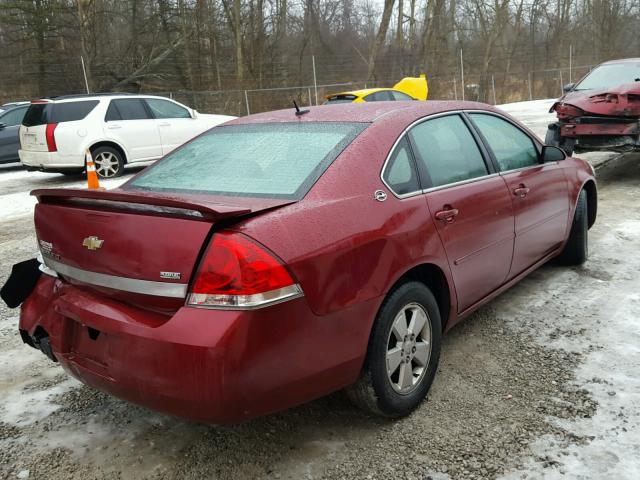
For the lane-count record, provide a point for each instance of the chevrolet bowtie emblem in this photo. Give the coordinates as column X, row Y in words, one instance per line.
column 92, row 243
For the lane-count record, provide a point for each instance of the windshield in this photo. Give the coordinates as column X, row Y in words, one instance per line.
column 612, row 75
column 280, row 160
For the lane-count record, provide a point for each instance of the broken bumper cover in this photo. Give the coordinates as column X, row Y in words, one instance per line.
column 214, row 366
column 603, row 133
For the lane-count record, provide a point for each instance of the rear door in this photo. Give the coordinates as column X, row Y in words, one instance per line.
column 381, row 96
column 129, row 122
column 174, row 122
column 469, row 203
column 538, row 190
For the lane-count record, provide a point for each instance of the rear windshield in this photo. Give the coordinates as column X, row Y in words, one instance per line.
column 43, row 113
column 280, row 160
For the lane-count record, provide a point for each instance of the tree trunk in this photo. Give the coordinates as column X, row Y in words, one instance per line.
column 380, row 37
column 83, row 17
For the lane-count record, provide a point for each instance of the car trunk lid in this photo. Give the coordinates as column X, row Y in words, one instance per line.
column 137, row 247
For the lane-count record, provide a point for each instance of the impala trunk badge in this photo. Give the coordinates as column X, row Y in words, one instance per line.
column 92, row 243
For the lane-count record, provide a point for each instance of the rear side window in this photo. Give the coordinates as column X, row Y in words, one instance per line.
column 37, row 114
column 112, row 113
column 166, row 109
column 127, row 109
column 43, row 113
column 13, row 117
column 512, row 148
column 447, row 151
column 281, row 160
column 382, row 96
column 400, row 174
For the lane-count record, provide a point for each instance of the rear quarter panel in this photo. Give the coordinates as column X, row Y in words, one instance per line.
column 578, row 172
column 343, row 246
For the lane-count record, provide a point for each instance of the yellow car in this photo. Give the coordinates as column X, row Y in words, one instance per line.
column 409, row 88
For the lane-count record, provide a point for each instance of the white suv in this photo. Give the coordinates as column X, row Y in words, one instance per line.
column 116, row 128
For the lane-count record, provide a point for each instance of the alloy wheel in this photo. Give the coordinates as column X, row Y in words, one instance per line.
column 408, row 348
column 107, row 164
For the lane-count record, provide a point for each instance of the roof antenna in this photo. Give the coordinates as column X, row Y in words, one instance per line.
column 298, row 111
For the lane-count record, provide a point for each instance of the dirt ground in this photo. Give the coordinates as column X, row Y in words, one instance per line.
column 541, row 383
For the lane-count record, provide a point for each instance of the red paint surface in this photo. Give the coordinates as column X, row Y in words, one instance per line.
column 345, row 249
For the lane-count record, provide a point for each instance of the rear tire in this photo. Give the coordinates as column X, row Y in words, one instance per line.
column 403, row 353
column 576, row 251
column 109, row 162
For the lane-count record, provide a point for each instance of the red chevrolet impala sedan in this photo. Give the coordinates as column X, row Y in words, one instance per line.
column 283, row 256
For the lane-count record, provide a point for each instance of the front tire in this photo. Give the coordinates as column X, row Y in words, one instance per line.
column 553, row 138
column 576, row 251
column 403, row 353
column 109, row 162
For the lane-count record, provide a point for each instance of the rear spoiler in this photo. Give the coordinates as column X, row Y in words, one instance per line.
column 142, row 202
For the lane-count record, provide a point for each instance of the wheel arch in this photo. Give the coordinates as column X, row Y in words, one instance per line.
column 592, row 201
column 112, row 144
column 435, row 279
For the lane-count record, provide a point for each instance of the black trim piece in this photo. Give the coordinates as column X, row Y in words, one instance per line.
column 23, row 279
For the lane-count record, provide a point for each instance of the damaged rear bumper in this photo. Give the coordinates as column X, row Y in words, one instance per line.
column 214, row 366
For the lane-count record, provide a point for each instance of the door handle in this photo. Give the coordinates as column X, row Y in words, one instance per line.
column 447, row 214
column 521, row 190
column 165, row 124
column 113, row 127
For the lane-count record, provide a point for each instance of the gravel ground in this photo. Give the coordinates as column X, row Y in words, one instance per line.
column 539, row 383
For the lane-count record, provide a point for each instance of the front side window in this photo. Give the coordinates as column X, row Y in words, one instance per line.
column 447, row 151
column 281, row 160
column 400, row 174
column 166, row 109
column 400, row 96
column 511, row 147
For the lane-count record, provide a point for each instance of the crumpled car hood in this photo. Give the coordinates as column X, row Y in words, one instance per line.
column 620, row 101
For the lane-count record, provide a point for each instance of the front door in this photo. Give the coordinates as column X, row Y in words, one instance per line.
column 469, row 204
column 174, row 122
column 538, row 190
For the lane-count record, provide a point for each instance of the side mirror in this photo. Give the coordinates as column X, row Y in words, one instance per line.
column 568, row 87
column 2, row 126
column 552, row 154
column 194, row 113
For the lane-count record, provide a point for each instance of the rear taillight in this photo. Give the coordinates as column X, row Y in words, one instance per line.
column 237, row 272
column 51, row 139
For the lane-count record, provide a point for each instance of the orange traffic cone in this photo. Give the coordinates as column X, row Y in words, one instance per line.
column 92, row 176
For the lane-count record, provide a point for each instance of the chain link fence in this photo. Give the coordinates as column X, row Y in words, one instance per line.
column 493, row 89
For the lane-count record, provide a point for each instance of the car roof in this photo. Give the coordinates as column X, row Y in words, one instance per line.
column 14, row 104
column 362, row 112
column 95, row 96
column 622, row 60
